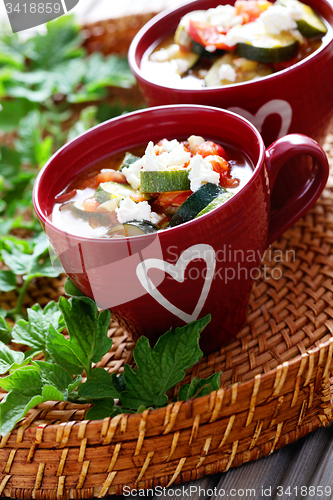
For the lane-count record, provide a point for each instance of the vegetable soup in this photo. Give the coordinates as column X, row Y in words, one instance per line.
column 151, row 189
column 234, row 44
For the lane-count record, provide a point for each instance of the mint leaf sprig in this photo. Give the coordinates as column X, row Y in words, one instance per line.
column 29, row 260
column 69, row 372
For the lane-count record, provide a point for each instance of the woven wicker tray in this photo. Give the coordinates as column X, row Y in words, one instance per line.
column 275, row 388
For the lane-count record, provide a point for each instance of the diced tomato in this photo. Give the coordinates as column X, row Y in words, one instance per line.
column 173, row 198
column 250, row 10
column 111, row 175
column 186, row 146
column 90, row 182
column 90, row 205
column 61, row 198
column 209, row 148
column 137, row 197
column 206, row 34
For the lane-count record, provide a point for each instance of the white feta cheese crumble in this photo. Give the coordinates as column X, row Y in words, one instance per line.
column 277, row 19
column 129, row 210
column 201, row 172
column 243, row 34
column 194, row 142
column 227, row 72
column 173, row 158
column 132, row 174
column 224, row 16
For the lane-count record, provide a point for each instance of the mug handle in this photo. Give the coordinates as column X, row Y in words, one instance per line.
column 277, row 154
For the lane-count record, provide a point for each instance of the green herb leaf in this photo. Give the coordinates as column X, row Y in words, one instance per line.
column 7, row 281
column 162, row 367
column 199, row 387
column 98, row 386
column 72, row 290
column 12, row 111
column 103, row 408
column 5, row 330
column 33, row 332
column 54, row 375
column 15, row 405
column 8, row 357
column 87, row 330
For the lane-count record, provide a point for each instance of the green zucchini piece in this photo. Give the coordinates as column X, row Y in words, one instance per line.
column 108, row 190
column 244, row 73
column 128, row 160
column 195, row 203
column 78, row 210
column 133, row 228
column 162, row 182
column 267, row 48
column 310, row 25
column 218, row 201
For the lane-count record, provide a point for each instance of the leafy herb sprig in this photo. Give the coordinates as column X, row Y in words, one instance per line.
column 69, row 372
column 48, row 97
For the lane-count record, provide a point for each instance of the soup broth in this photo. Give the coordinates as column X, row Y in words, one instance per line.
column 151, row 189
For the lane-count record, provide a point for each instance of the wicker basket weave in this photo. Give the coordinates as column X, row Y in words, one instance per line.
column 275, row 388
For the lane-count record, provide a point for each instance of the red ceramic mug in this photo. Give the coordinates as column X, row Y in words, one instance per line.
column 177, row 275
column 298, row 99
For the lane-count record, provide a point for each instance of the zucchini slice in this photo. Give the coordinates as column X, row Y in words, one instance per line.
column 196, row 203
column 128, row 160
column 310, row 25
column 162, row 182
column 133, row 228
column 245, row 70
column 266, row 48
column 78, row 210
column 219, row 200
column 108, row 190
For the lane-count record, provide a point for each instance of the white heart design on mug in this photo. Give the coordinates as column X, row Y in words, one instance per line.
column 275, row 106
column 177, row 271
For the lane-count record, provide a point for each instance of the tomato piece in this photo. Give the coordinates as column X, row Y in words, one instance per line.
column 138, row 197
column 90, row 182
column 90, row 205
column 108, row 175
column 250, row 10
column 206, row 34
column 172, row 198
column 209, row 148
column 61, row 198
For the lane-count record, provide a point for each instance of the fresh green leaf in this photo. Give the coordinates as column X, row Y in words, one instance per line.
column 33, row 332
column 15, row 405
column 87, row 330
column 72, row 290
column 7, row 281
column 24, row 378
column 52, row 374
column 12, row 111
column 51, row 393
column 98, row 386
column 9, row 358
column 103, row 408
column 5, row 330
column 199, row 387
column 162, row 367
